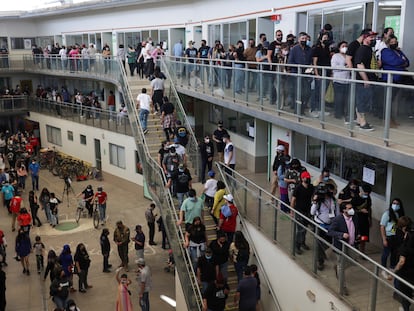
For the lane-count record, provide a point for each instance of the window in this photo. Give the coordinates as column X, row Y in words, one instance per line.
column 22, row 43
column 83, row 139
column 233, row 121
column 342, row 162
column 70, row 135
column 117, row 155
column 53, row 135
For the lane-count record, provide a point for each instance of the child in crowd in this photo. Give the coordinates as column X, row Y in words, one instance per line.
column 39, row 249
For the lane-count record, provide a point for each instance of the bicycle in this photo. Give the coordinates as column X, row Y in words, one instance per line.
column 81, row 210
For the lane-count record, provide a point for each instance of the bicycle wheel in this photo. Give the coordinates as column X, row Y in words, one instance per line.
column 78, row 214
column 96, row 219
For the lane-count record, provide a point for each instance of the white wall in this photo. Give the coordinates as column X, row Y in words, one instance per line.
column 87, row 152
column 285, row 274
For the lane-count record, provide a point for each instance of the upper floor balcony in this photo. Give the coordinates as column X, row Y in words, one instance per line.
column 293, row 97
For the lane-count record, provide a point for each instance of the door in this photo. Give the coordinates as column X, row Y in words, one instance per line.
column 98, row 159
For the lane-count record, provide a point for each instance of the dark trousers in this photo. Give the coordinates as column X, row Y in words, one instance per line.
column 83, row 279
column 164, row 240
column 105, row 261
column 39, row 262
column 35, row 217
column 300, row 230
column 35, row 183
column 123, row 253
column 131, row 68
column 341, row 100
column 151, row 226
column 205, row 163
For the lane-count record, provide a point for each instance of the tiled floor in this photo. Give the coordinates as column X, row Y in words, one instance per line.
column 125, row 202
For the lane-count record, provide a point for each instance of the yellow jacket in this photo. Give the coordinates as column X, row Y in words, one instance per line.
column 218, row 202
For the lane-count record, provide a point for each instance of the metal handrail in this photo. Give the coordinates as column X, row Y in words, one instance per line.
column 155, row 168
column 220, row 167
column 235, row 180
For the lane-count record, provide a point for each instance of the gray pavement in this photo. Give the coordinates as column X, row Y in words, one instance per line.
column 125, row 202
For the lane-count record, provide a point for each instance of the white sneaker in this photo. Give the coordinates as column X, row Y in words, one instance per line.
column 327, row 113
column 314, row 114
column 384, row 274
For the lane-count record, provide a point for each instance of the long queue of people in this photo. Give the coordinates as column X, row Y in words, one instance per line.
column 344, row 215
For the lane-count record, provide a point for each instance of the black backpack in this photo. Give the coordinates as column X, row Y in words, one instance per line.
column 243, row 255
column 183, row 178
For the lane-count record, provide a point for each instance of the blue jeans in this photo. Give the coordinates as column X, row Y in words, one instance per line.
column 60, row 302
column 144, row 302
column 35, row 182
column 143, row 117
column 102, row 211
column 193, row 254
column 180, row 197
column 239, row 78
column 363, row 98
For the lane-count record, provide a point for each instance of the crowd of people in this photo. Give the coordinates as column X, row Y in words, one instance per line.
column 344, row 215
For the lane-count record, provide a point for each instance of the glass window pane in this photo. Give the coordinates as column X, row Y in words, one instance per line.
column 389, row 15
column 353, row 20
column 314, row 24
column 121, row 157
column 314, row 152
column 334, row 158
column 299, row 146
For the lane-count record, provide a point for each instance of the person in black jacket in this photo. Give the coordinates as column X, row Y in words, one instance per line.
column 105, row 249
column 59, row 289
column 207, row 154
column 280, row 153
column 82, row 262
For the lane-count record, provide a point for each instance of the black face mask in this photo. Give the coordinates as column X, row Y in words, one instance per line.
column 264, row 39
column 372, row 43
column 303, row 43
column 394, row 46
column 325, row 42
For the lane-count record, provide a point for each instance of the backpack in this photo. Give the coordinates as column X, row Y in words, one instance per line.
column 226, row 211
column 183, row 178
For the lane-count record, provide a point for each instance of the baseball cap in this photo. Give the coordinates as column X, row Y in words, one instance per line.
column 280, row 148
column 211, row 173
column 228, row 197
column 220, row 123
column 305, row 175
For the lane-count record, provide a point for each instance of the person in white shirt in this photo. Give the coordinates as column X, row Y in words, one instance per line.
column 144, row 105
column 63, row 57
column 92, row 54
column 341, row 81
column 380, row 45
column 210, row 188
column 122, row 114
column 180, row 149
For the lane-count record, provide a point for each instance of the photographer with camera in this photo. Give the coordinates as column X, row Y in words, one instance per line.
column 324, row 209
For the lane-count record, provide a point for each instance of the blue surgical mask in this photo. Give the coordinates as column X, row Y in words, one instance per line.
column 209, row 257
column 326, row 178
column 364, row 196
column 308, row 43
column 395, row 207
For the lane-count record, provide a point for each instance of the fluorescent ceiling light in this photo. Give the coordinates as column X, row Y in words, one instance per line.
column 390, row 3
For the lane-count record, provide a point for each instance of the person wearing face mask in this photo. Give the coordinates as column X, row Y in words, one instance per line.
column 82, row 262
column 123, row 302
column 364, row 97
column 183, row 183
column 283, row 186
column 391, row 236
column 207, row 154
column 170, row 165
column 195, row 240
column 325, row 177
column 192, row 207
column 340, row 82
column 280, row 153
column 321, row 56
column 206, row 270
column 394, row 59
column 250, row 55
column 344, row 227
column 350, row 194
column 300, row 54
column 121, row 239
column 301, row 201
column 71, row 306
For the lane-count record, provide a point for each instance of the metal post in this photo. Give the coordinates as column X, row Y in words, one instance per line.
column 352, row 104
column 322, row 97
column 299, row 95
column 388, row 99
column 374, row 290
column 259, row 210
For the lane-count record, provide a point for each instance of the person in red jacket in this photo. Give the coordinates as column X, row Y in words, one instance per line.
column 16, row 203
column 25, row 220
column 228, row 217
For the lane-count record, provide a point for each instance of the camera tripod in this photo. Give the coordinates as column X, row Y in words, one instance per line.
column 66, row 189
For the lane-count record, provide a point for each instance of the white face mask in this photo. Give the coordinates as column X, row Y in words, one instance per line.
column 351, row 212
column 395, row 207
column 343, row 50
column 72, row 308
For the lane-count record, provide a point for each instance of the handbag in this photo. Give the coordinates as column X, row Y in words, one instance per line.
column 330, row 94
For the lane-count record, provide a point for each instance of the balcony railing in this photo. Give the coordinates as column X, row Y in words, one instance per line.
column 355, row 271
column 291, row 95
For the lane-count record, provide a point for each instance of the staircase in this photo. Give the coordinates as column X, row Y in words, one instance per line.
column 153, row 138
